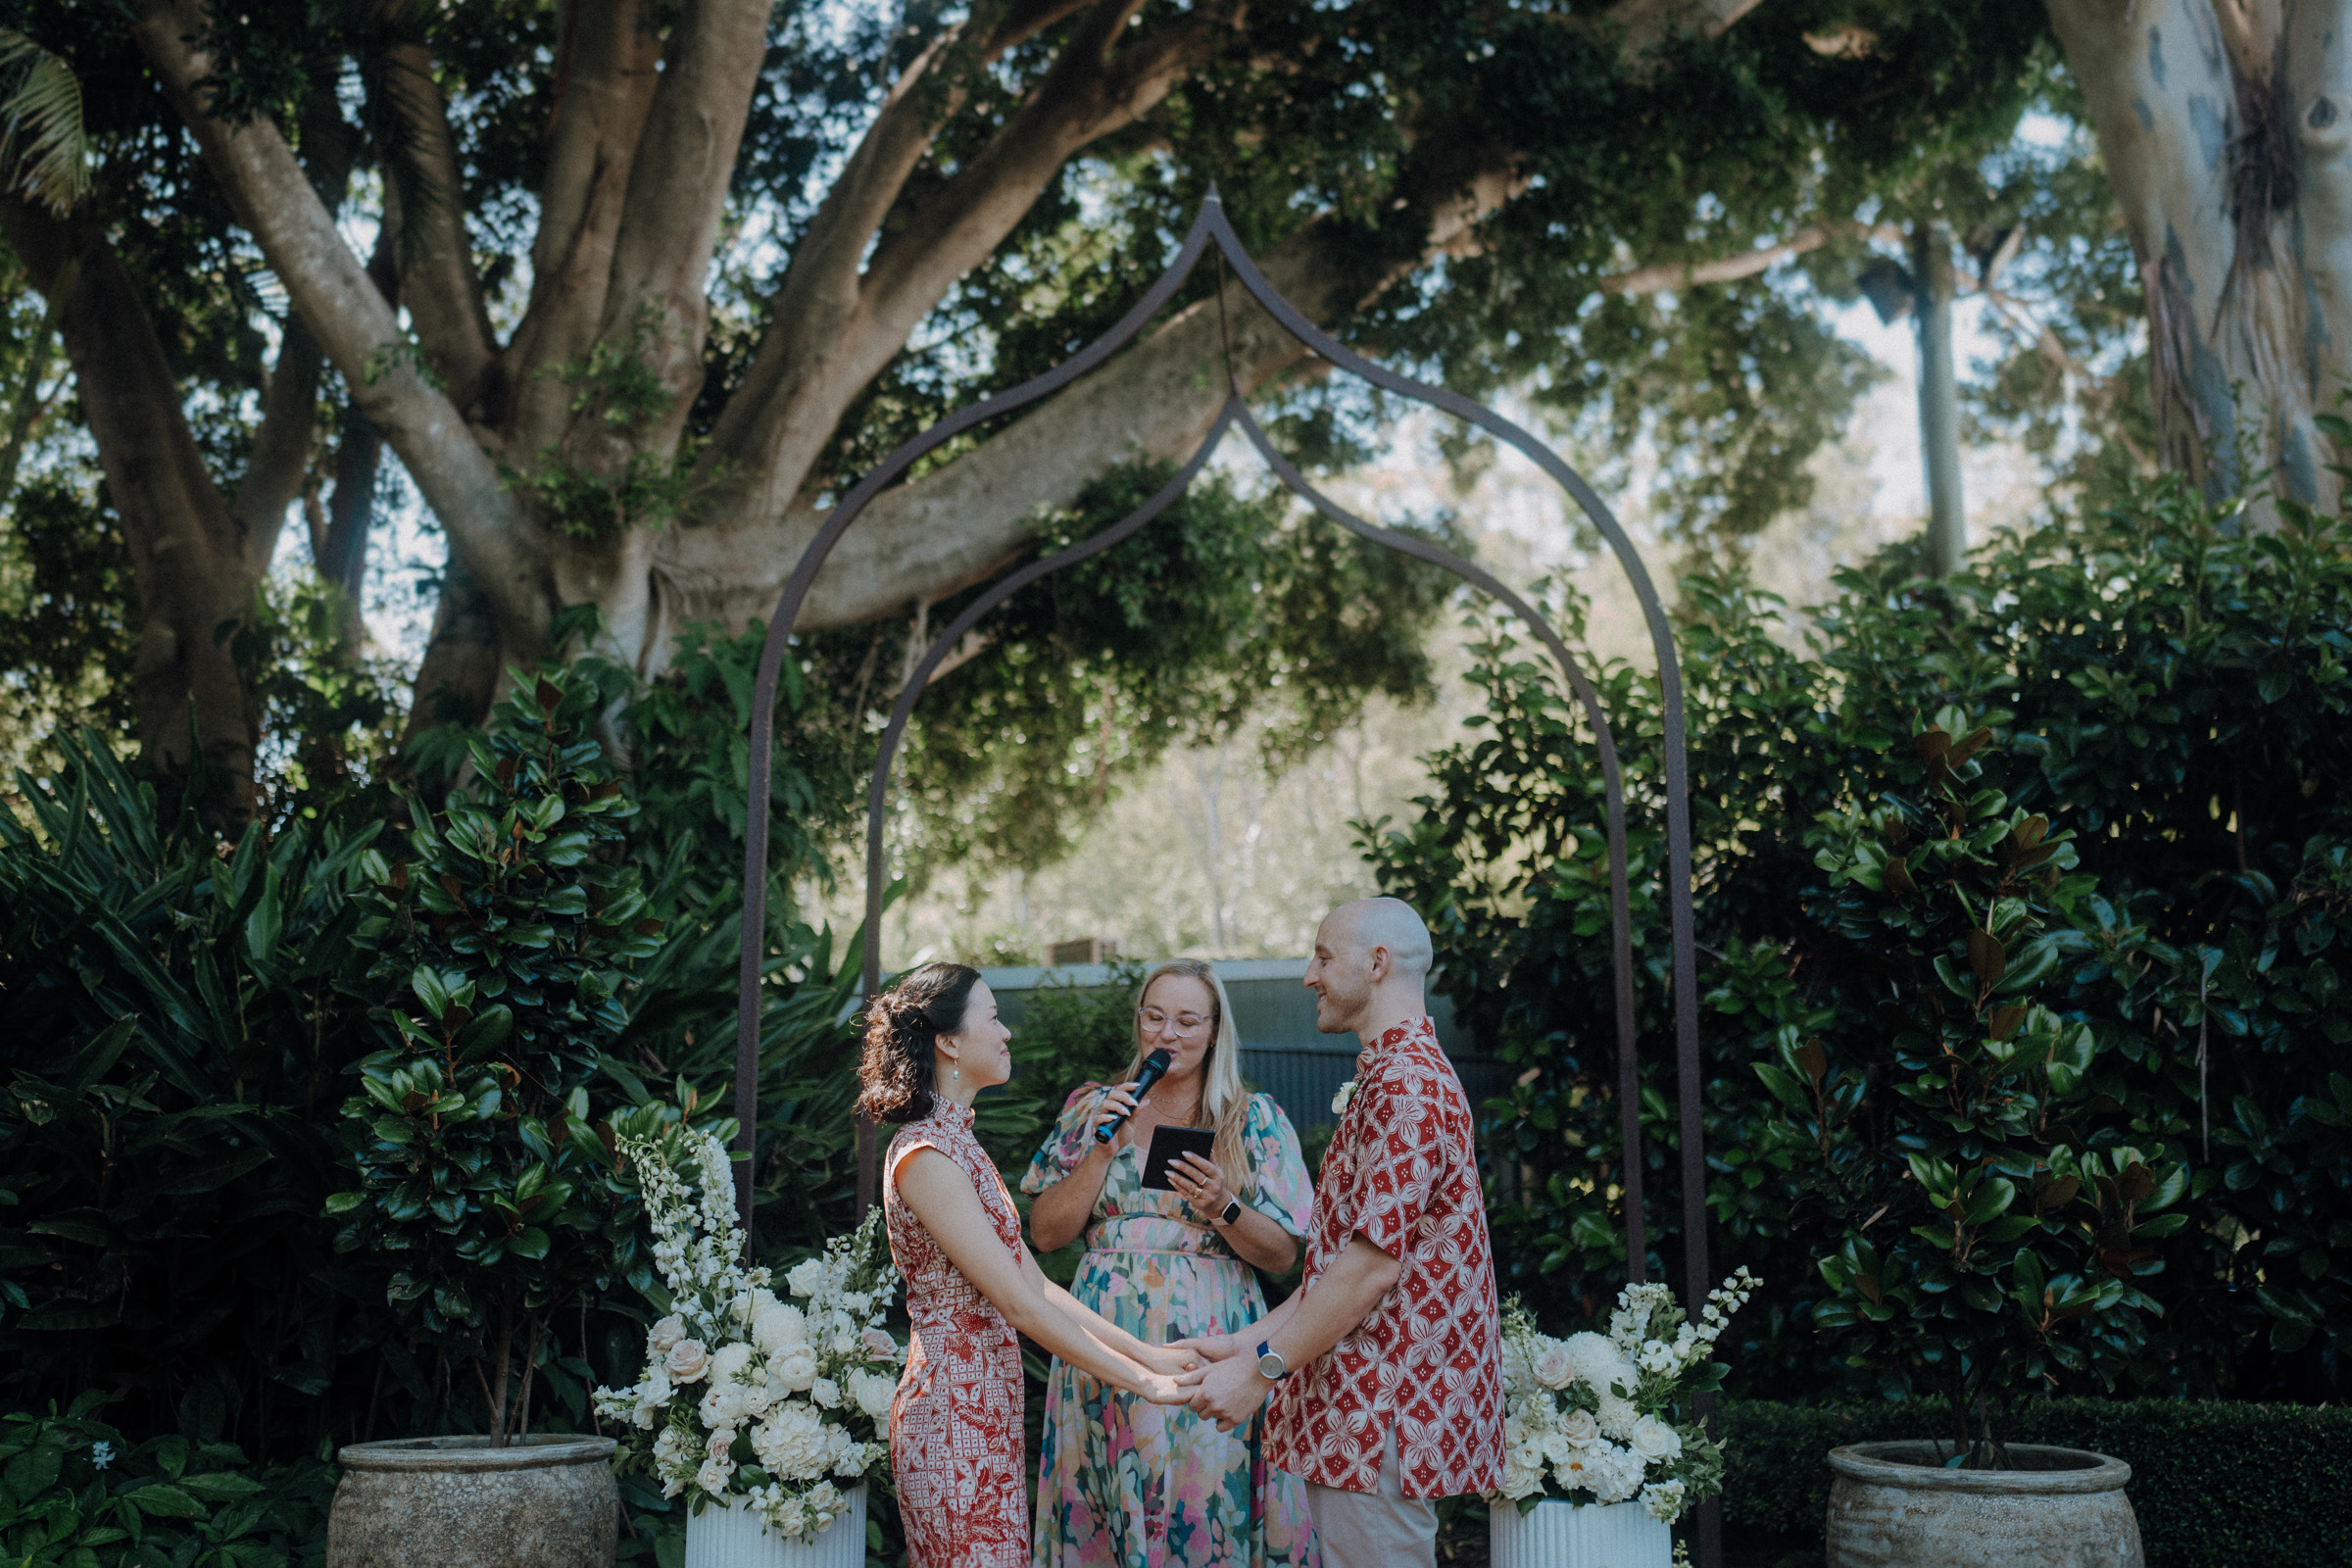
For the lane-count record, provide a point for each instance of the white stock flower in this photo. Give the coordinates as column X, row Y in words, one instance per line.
column 1655, row 1441
column 1552, row 1364
column 791, row 1519
column 1516, row 1373
column 1663, row 1499
column 1658, row 1357
column 670, row 1448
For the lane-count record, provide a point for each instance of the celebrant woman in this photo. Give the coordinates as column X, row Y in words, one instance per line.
column 1123, row 1484
column 933, row 1042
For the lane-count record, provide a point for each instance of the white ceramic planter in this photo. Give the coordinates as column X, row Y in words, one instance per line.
column 735, row 1537
column 1570, row 1534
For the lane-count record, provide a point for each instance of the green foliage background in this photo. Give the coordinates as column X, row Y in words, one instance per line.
column 2172, row 693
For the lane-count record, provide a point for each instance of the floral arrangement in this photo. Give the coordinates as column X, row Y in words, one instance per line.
column 746, row 1393
column 1593, row 1418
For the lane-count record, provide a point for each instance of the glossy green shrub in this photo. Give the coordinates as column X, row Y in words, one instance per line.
column 2167, row 693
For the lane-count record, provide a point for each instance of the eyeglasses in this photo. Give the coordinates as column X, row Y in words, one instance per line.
column 1184, row 1024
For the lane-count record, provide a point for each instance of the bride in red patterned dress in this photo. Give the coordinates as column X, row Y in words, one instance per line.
column 933, row 1042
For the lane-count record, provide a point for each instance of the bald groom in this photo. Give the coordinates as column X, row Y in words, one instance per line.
column 1383, row 1366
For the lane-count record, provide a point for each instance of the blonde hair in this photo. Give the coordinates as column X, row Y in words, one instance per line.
column 1224, row 1106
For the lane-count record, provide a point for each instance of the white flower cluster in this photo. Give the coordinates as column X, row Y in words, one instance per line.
column 735, row 1367
column 1590, row 1418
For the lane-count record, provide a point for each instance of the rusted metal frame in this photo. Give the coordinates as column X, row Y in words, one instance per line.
column 1681, row 924
column 751, row 965
column 879, row 787
column 1604, row 742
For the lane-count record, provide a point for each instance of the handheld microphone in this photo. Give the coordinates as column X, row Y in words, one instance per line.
column 1153, row 1066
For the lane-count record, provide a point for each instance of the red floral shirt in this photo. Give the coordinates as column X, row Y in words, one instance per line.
column 1403, row 1170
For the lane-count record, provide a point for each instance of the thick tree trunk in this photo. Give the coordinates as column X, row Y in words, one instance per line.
column 189, row 554
column 2225, row 125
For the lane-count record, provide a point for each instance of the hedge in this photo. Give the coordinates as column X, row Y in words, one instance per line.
column 2215, row 1483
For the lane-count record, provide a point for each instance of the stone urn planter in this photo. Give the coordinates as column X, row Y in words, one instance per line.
column 1571, row 1534
column 736, row 1537
column 1894, row 1505
column 457, row 1503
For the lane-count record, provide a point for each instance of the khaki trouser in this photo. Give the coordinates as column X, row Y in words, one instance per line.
column 1368, row 1529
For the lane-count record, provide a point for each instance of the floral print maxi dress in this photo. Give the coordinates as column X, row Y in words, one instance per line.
column 1126, row 1484
column 955, row 1443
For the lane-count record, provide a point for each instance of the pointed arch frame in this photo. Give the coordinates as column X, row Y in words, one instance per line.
column 1211, row 228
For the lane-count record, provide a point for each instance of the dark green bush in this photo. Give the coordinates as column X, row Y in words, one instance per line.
column 2215, row 1483
column 2168, row 690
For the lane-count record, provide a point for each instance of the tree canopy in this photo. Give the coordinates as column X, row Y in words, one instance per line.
column 630, row 291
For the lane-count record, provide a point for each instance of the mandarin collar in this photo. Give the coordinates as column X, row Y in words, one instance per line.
column 1371, row 1056
column 944, row 1110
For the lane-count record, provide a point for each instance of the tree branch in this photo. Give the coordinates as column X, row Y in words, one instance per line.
column 356, row 328
column 609, row 63
column 778, row 433
column 1661, row 276
column 1647, row 24
column 281, row 449
column 436, row 257
column 678, row 185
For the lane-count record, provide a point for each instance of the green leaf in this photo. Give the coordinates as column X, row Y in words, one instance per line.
column 1783, row 1086
column 165, row 1501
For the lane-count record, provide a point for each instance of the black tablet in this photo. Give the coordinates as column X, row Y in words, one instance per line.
column 1170, row 1145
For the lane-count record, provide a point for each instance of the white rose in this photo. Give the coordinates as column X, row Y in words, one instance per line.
column 722, row 1406
column 795, row 1369
column 779, row 1328
column 1552, row 1364
column 1520, row 1480
column 669, row 1449
column 1579, row 1427
column 1655, row 1441
column 826, row 1392
column 687, row 1361
column 792, row 1520
column 872, row 1393
column 714, row 1476
column 806, row 1278
column 824, row 1497
column 664, row 1334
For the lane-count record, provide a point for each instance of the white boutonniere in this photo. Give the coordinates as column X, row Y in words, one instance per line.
column 1339, row 1101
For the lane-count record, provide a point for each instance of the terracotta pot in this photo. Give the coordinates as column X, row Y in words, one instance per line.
column 457, row 1503
column 1573, row 1534
column 734, row 1537
column 1894, row 1505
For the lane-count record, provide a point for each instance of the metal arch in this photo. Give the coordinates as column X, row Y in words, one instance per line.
column 1213, row 225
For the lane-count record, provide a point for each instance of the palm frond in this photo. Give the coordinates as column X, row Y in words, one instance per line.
column 45, row 148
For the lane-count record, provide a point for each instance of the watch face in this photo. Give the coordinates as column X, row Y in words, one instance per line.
column 1233, row 1210
column 1269, row 1365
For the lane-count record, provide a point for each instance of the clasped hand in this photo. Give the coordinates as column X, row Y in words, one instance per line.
column 1227, row 1388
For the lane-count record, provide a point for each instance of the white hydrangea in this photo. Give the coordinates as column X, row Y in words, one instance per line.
column 792, row 1443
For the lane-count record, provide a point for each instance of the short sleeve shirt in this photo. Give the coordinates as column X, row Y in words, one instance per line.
column 1403, row 1170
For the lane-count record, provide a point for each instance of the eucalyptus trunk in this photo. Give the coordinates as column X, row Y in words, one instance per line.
column 2225, row 125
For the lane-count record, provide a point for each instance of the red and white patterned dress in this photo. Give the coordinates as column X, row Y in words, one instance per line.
column 1402, row 1169
column 956, row 1442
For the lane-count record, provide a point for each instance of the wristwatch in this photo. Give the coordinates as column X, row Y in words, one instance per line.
column 1233, row 1212
column 1269, row 1363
